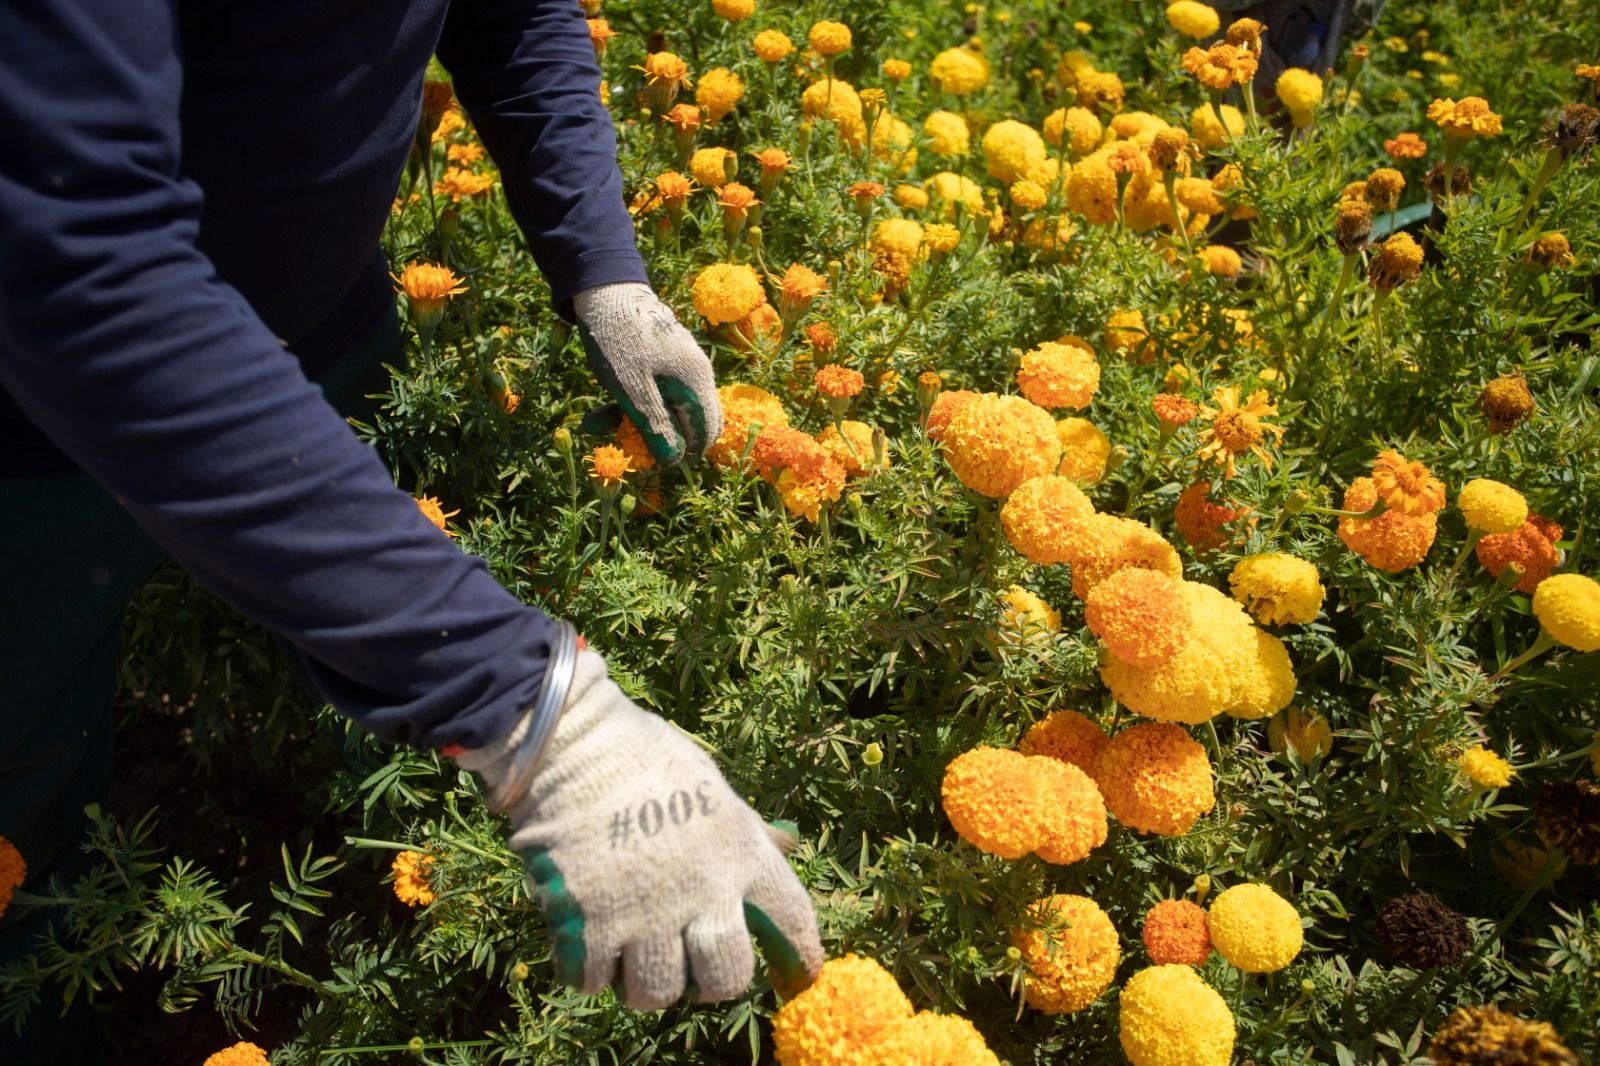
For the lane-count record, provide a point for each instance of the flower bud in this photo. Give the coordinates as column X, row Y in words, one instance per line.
column 872, row 754
column 1297, row 501
column 519, row 973
column 857, row 504
column 416, row 1045
column 1119, row 455
column 753, row 236
column 880, row 447
column 1202, row 888
column 627, row 504
column 1307, row 986
column 562, row 438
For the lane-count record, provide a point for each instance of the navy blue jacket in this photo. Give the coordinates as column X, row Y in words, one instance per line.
column 191, row 196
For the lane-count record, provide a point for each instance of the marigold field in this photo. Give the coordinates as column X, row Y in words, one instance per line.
column 1150, row 557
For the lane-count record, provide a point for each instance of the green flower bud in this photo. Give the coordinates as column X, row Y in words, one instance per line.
column 872, row 754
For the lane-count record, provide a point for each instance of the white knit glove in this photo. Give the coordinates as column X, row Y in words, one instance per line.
column 638, row 850
column 650, row 363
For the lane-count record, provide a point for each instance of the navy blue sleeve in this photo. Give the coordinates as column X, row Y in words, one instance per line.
column 526, row 73
column 118, row 338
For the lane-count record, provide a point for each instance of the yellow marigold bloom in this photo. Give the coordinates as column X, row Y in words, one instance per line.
column 1077, row 128
column 1262, row 676
column 1037, row 516
column 1193, row 19
column 1255, row 929
column 1406, row 485
column 1237, row 428
column 1550, row 252
column 710, row 166
column 939, row 237
column 243, row 1053
column 804, row 489
column 1383, row 188
column 929, row 1039
column 1141, row 615
column 829, row 38
column 772, row 47
column 856, row 456
column 727, row 292
column 853, row 1005
column 1125, row 331
column 1491, row 506
column 1277, row 588
column 1309, row 734
column 1071, row 950
column 896, row 69
column 1068, row 736
column 1300, row 91
column 899, row 235
column 995, row 802
column 840, row 104
column 1221, row 261
column 1531, row 548
column 743, row 405
column 411, row 869
column 1155, row 778
column 1092, row 188
column 600, row 34
column 995, row 443
column 1175, row 933
column 608, row 464
column 1486, row 769
column 952, row 190
column 1168, row 1016
column 1398, row 261
column 719, row 92
column 1011, row 149
column 1026, row 614
column 1474, row 1036
column 1210, row 131
column 1071, row 67
column 1103, row 544
column 1463, row 120
column 1101, row 90
column 1568, row 606
column 665, row 69
column 910, row 197
column 13, row 872
column 1059, row 375
column 1084, row 450
column 427, row 287
column 1028, row 195
column 891, row 141
column 947, row 133
column 434, row 512
column 1394, row 540
column 839, row 382
column 1591, row 71
column 1220, row 66
column 734, row 10
column 959, row 71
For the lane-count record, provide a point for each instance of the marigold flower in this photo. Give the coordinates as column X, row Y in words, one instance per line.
column 1071, row 950
column 736, row 200
column 994, row 802
column 1174, row 410
column 829, row 38
column 1168, row 1016
column 1255, row 929
column 947, row 133
column 1085, row 450
column 1059, row 375
column 1175, row 932
column 1353, row 226
column 945, row 407
column 798, row 287
column 955, row 190
column 910, row 197
column 1406, row 485
column 940, row 237
column 434, row 512
column 1568, row 606
column 1068, row 736
column 1092, row 189
column 1476, row 1036
column 427, row 287
column 13, row 872
column 1394, row 540
column 631, row 441
column 856, row 455
column 1011, row 149
column 1398, row 261
column 719, row 92
column 1463, row 120
column 853, row 1005
column 771, row 46
column 1155, row 778
column 1221, row 261
column 1075, row 127
column 600, row 34
column 459, row 184
column 929, row 1039
column 243, row 1053
column 1245, row 34
column 743, row 405
column 839, row 382
column 1567, row 816
column 804, row 489
column 608, row 464
column 1384, row 187
column 664, row 76
column 673, row 188
column 464, row 154
column 821, row 336
column 727, row 292
column 995, row 443
column 1037, row 516
column 1213, row 131
column 1101, row 544
column 1278, row 589
column 734, row 10
column 1141, row 615
column 1485, row 769
column 1300, row 91
column 1491, row 506
column 1101, row 90
column 1237, row 428
column 959, row 71
column 1406, row 146
column 1550, row 252
column 1418, row 931
column 1193, row 19
column 1125, row 331
column 1202, row 522
column 1530, row 547
column 1074, row 813
column 1028, row 195
column 1025, row 614
column 411, row 869
column 1220, row 66
column 896, row 69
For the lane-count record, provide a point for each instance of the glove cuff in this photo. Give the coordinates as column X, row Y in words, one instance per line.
column 516, row 758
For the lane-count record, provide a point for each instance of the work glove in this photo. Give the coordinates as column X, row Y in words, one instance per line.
column 640, row 853
column 661, row 378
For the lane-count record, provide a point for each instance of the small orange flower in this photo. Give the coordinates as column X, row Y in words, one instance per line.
column 434, row 512
column 1220, row 66
column 459, row 184
column 600, row 34
column 1406, row 146
column 1237, row 428
column 1405, row 485
column 411, row 869
column 821, row 336
column 1175, row 932
column 864, row 191
column 683, row 118
column 13, row 872
column 673, row 188
column 798, row 287
column 1174, row 410
column 427, row 287
column 608, row 464
column 465, row 154
column 736, row 200
column 243, row 1053
column 839, row 382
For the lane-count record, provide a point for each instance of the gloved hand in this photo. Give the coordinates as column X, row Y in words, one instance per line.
column 659, row 375
column 638, row 849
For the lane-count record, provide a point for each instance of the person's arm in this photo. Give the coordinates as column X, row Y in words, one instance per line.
column 525, row 71
column 120, row 341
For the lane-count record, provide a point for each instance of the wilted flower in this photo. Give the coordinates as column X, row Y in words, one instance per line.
column 1237, row 428
column 1418, row 931
column 1483, row 1036
column 1550, row 252
column 1353, row 226
column 1398, row 261
column 1384, row 187
column 1567, row 816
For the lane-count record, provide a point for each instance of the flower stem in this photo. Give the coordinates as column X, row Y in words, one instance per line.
column 1547, row 170
column 1543, row 643
column 1345, row 274
column 1473, row 536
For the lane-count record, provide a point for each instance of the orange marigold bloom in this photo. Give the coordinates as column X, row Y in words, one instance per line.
column 434, row 512
column 771, row 46
column 1059, row 374
column 782, row 447
column 243, row 1053
column 995, row 443
column 685, row 118
column 1038, row 516
column 1155, row 778
column 1237, row 428
column 829, row 38
column 727, row 292
column 1394, row 540
column 600, row 34
column 736, row 200
column 460, row 184
column 821, row 336
column 1531, row 548
column 631, row 441
column 1101, row 544
column 743, row 405
column 673, row 188
column 464, row 154
column 772, row 161
column 1174, row 410
column 1406, row 146
column 427, row 287
column 850, row 445
column 1085, row 450
column 1072, row 953
column 1141, row 615
column 864, row 190
column 839, row 382
column 853, row 1006
column 607, row 464
column 1220, row 66
column 1202, row 522
column 1068, row 736
column 1469, row 117
column 665, row 68
column 993, row 802
column 411, row 869
column 945, row 407
column 1406, row 485
column 761, row 328
column 798, row 287
column 1175, row 932
column 13, row 872
column 805, row 489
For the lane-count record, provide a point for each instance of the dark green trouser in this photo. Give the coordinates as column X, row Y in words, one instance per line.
column 74, row 560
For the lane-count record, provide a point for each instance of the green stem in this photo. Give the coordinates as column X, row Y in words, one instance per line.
column 1547, row 170
column 1345, row 274
column 1473, row 536
column 1543, row 643
column 1545, row 874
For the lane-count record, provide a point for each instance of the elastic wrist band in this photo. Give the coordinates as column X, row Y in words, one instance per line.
column 542, row 718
